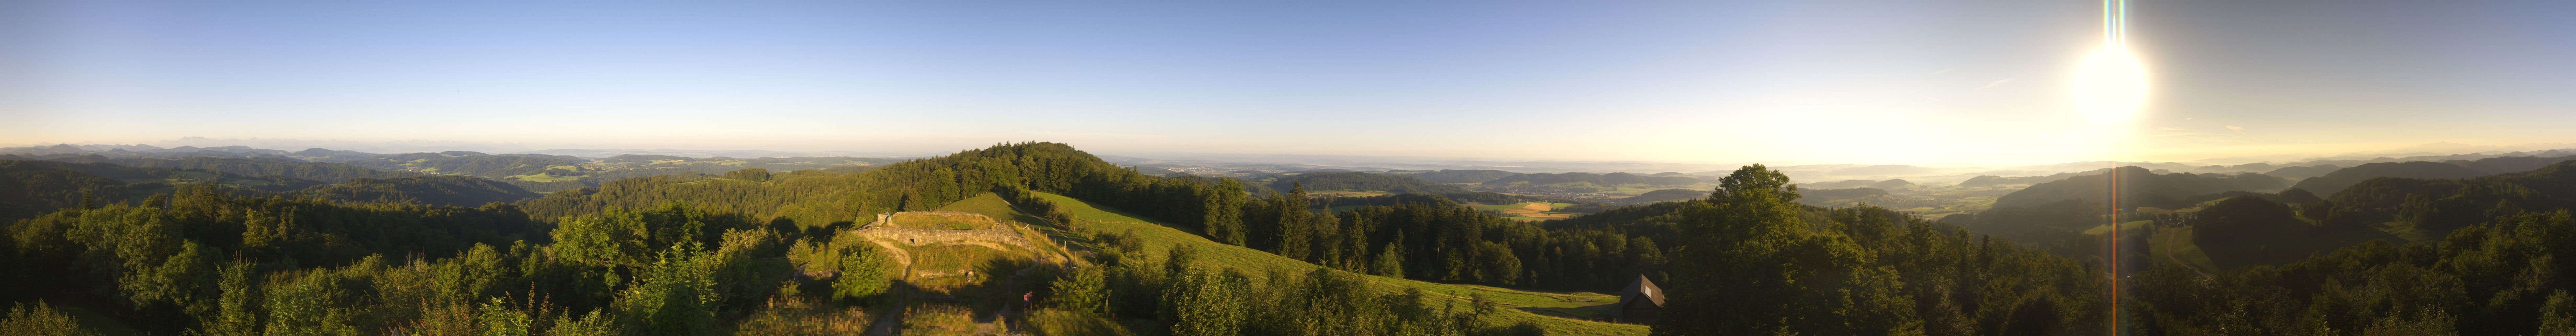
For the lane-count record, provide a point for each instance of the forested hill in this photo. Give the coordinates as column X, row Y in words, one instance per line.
column 268, row 166
column 2332, row 182
column 2056, row 215
column 2341, row 178
column 2139, row 187
column 28, row 188
column 2441, row 204
column 1359, row 181
column 471, row 163
column 816, row 198
column 449, row 190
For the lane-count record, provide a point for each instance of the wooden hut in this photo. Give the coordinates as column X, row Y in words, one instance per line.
column 1640, row 303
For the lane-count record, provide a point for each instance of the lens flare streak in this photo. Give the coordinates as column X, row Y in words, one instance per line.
column 2110, row 87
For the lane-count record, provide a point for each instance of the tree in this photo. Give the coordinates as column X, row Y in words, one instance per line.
column 238, row 307
column 1295, row 216
column 40, row 319
column 1390, row 262
column 676, row 295
column 1207, row 302
column 1749, row 264
column 1084, row 290
column 497, row 319
column 1496, row 264
column 864, row 273
column 1224, row 204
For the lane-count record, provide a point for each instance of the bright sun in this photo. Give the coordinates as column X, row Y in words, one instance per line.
column 2110, row 85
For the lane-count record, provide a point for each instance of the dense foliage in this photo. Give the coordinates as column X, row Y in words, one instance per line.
column 434, row 190
column 762, row 252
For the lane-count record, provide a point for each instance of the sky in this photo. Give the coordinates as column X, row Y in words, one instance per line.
column 1918, row 82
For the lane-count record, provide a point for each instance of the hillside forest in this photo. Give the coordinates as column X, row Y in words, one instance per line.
column 1044, row 239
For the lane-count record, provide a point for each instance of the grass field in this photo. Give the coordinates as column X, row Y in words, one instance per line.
column 1538, row 307
column 942, row 221
column 1525, row 211
column 963, row 265
column 2173, row 245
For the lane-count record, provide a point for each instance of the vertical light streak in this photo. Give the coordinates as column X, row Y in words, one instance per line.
column 2115, row 22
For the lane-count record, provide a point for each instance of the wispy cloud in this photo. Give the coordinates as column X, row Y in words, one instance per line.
column 1918, row 94
column 2234, row 128
column 1942, row 70
column 1995, row 84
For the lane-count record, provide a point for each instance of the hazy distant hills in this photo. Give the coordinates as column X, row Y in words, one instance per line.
column 433, row 189
column 247, row 166
column 1666, row 195
column 2303, row 172
column 2552, row 186
column 2337, row 180
column 30, row 187
column 1457, row 175
column 538, row 172
column 1600, row 179
column 1359, row 181
column 2141, row 186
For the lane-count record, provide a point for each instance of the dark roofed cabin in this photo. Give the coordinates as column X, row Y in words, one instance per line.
column 1640, row 302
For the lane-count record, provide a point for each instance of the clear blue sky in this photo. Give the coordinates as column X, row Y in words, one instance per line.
column 1690, row 81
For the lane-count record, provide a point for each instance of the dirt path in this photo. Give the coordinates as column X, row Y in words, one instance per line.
column 888, row 322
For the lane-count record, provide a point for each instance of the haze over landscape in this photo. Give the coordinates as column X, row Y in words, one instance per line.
column 1436, row 168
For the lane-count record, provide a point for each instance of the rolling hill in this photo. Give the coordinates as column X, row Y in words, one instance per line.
column 1665, row 195
column 2139, row 187
column 2341, row 178
column 1461, row 175
column 451, row 190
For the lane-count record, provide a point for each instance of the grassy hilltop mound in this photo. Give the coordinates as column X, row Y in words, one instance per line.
column 1547, row 309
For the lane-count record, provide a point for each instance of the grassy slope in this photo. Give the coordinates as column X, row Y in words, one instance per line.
column 991, row 205
column 1158, row 236
column 930, row 221
column 2173, row 245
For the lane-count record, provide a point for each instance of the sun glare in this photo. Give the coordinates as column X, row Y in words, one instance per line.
column 2110, row 85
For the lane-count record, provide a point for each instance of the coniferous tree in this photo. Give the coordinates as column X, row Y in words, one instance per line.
column 1390, row 262
column 1294, row 228
column 1224, row 220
